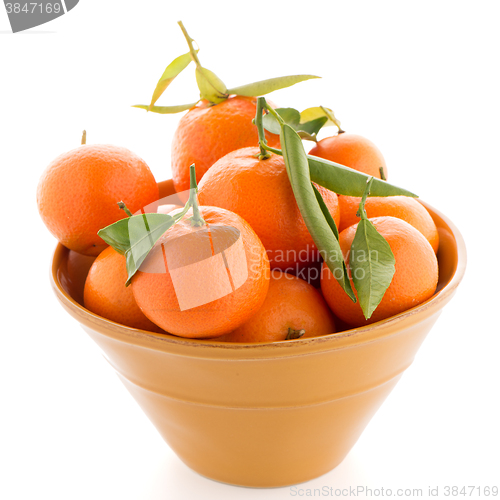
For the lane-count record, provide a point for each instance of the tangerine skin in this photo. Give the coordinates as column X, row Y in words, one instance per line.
column 208, row 132
column 154, row 290
column 260, row 192
column 292, row 303
column 402, row 207
column 105, row 292
column 352, row 150
column 414, row 281
column 78, row 193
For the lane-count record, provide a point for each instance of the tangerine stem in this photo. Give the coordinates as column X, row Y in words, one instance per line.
column 280, row 121
column 190, row 41
column 84, row 137
column 295, row 334
column 361, row 210
column 261, row 102
column 196, row 219
column 122, row 206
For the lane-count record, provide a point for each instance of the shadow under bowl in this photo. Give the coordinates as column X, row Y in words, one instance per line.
column 263, row 415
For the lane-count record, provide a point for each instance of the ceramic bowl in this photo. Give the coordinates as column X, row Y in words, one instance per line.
column 263, row 415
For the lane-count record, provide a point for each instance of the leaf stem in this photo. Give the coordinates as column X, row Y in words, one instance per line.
column 270, row 149
column 84, row 137
column 361, row 210
column 190, row 41
column 261, row 103
column 196, row 219
column 273, row 112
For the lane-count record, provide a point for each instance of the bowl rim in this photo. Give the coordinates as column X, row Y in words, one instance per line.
column 212, row 347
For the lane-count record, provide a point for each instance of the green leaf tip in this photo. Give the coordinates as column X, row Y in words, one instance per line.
column 319, row 112
column 178, row 65
column 372, row 266
column 164, row 110
column 116, row 235
column 264, row 87
column 350, row 182
column 371, row 261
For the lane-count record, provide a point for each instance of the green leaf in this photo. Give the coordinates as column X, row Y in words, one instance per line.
column 172, row 70
column 116, row 235
column 314, row 113
column 271, row 124
column 312, row 127
column 212, row 88
column 326, row 212
column 135, row 236
column 347, row 181
column 307, row 130
column 166, row 109
column 307, row 137
column 289, row 115
column 144, row 232
column 267, row 86
column 372, row 266
column 322, row 234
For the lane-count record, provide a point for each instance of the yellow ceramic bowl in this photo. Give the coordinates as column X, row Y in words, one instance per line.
column 263, row 415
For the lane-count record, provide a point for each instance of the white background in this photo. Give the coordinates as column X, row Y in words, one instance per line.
column 420, row 79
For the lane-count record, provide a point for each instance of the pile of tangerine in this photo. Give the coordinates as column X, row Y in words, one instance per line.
column 279, row 297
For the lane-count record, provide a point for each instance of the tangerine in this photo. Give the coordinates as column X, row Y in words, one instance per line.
column 293, row 309
column 203, row 282
column 207, row 132
column 414, row 281
column 78, row 193
column 260, row 192
column 352, row 151
column 105, row 292
column 402, row 207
